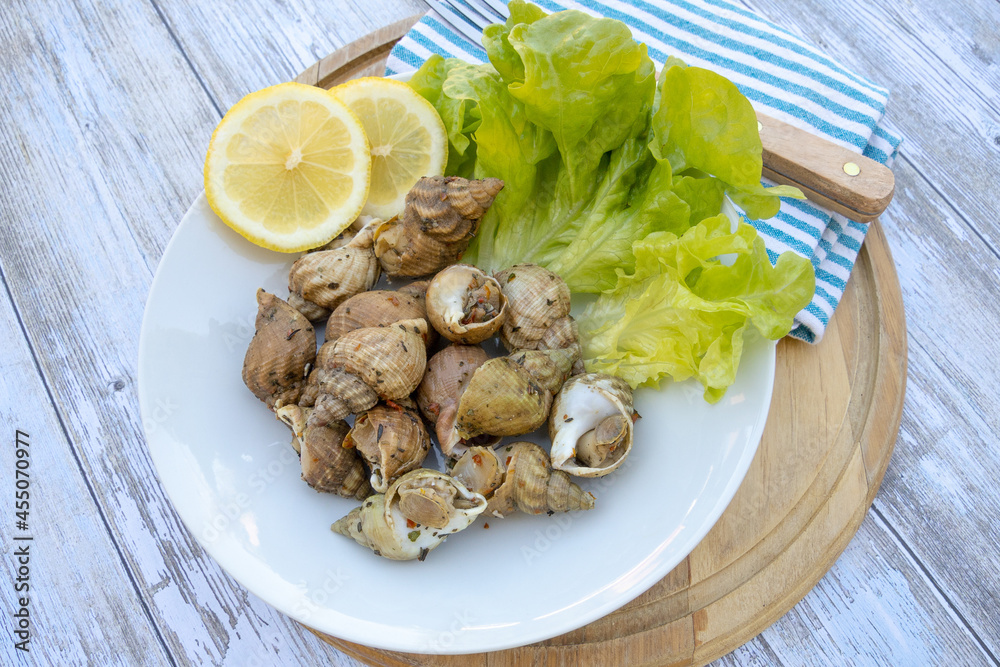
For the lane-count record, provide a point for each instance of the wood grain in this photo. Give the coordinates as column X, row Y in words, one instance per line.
column 830, row 434
column 70, row 548
column 794, row 156
column 831, row 430
column 119, row 106
column 940, row 494
column 126, row 97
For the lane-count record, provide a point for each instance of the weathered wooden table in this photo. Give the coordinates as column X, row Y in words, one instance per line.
column 106, row 113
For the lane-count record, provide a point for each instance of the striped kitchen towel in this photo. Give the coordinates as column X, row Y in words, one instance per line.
column 781, row 74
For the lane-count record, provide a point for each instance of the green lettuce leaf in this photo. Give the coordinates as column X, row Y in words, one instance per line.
column 683, row 312
column 461, row 117
column 703, row 122
column 616, row 181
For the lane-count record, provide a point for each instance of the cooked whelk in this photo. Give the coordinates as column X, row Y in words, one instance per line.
column 538, row 305
column 376, row 308
column 417, row 512
column 531, row 485
column 512, row 395
column 465, row 305
column 591, row 425
column 319, row 281
column 329, row 464
column 393, row 439
column 480, row 470
column 440, row 218
column 418, row 288
column 283, row 345
column 368, row 364
column 448, row 374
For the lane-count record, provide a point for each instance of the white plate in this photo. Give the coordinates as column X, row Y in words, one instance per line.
column 226, row 464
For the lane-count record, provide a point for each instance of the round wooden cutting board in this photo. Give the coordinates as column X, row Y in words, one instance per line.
column 830, row 432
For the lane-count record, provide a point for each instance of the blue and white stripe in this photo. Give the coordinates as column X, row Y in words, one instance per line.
column 782, row 75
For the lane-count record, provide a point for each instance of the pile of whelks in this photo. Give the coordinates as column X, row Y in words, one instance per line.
column 374, row 365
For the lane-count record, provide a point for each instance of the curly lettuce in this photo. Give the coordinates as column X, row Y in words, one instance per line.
column 683, row 312
column 610, row 171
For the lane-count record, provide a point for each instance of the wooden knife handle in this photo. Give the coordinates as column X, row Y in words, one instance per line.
column 831, row 176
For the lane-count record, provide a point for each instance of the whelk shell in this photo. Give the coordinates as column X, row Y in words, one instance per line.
column 448, row 374
column 366, row 364
column 591, row 425
column 512, row 395
column 328, row 464
column 536, row 300
column 319, row 281
column 392, row 439
column 531, row 485
column 440, row 218
column 465, row 305
column 480, row 470
column 398, row 524
column 283, row 346
column 376, row 308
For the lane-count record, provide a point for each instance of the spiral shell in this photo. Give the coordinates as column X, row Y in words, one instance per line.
column 391, row 360
column 440, row 218
column 417, row 288
column 531, row 486
column 591, row 425
column 512, row 395
column 448, row 374
column 327, row 464
column 335, row 394
column 465, row 305
column 376, row 308
column 417, row 512
column 283, row 346
column 393, row 439
column 480, row 470
column 502, row 399
column 536, row 300
column 319, row 281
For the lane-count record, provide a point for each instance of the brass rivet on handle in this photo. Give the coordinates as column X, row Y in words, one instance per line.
column 851, row 169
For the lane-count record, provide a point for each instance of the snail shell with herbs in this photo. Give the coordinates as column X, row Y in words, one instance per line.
column 531, row 486
column 392, row 439
column 512, row 395
column 538, row 305
column 282, row 349
column 591, row 425
column 465, row 305
column 415, row 515
column 480, row 470
column 440, row 217
column 376, row 308
column 448, row 374
column 328, row 465
column 319, row 281
column 368, row 364
column 536, row 300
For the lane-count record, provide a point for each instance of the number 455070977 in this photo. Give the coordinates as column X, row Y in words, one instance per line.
column 22, row 480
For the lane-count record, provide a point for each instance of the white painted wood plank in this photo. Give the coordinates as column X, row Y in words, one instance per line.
column 103, row 154
column 941, row 66
column 265, row 43
column 940, row 492
column 874, row 607
column 81, row 604
column 139, row 199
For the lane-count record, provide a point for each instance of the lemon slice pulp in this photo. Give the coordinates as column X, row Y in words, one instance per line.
column 288, row 167
column 407, row 138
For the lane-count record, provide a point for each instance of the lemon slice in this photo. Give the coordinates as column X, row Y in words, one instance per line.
column 288, row 167
column 407, row 137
